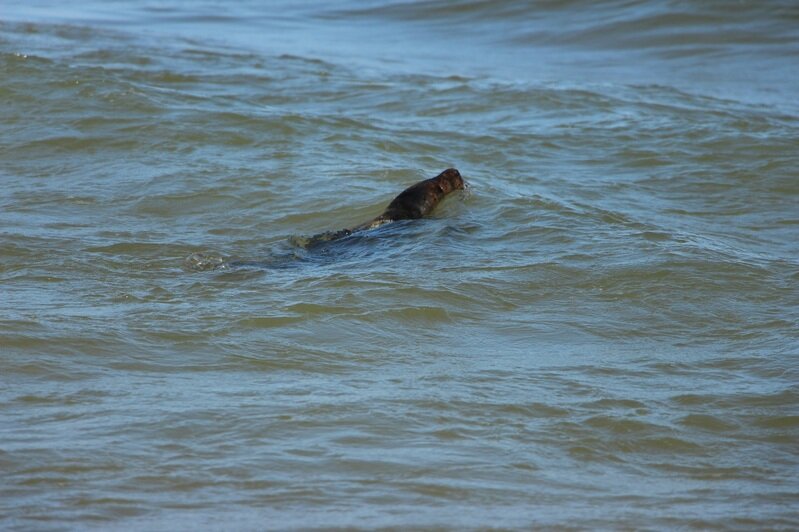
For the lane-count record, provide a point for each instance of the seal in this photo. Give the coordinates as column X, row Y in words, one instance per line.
column 416, row 201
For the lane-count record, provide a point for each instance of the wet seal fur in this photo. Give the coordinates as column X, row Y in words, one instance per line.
column 420, row 199
column 416, row 201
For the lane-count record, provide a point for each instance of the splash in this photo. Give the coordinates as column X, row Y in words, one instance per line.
column 201, row 262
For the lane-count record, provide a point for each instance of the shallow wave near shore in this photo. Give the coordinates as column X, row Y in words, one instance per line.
column 601, row 335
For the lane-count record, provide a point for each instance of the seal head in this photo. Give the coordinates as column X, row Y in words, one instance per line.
column 417, row 201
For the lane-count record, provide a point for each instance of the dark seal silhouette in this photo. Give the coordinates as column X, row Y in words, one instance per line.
column 420, row 199
column 416, row 201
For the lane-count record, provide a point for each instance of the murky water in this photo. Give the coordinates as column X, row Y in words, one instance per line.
column 601, row 334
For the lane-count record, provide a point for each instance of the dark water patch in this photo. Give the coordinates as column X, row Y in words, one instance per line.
column 708, row 423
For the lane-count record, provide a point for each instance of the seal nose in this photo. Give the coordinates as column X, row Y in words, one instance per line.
column 460, row 180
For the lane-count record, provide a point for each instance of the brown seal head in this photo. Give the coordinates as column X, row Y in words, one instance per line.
column 420, row 199
column 416, row 201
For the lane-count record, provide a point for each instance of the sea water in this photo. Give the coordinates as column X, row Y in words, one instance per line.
column 604, row 333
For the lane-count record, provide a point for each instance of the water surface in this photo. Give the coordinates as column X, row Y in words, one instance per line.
column 602, row 334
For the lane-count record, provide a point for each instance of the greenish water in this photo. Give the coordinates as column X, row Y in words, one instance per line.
column 601, row 334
